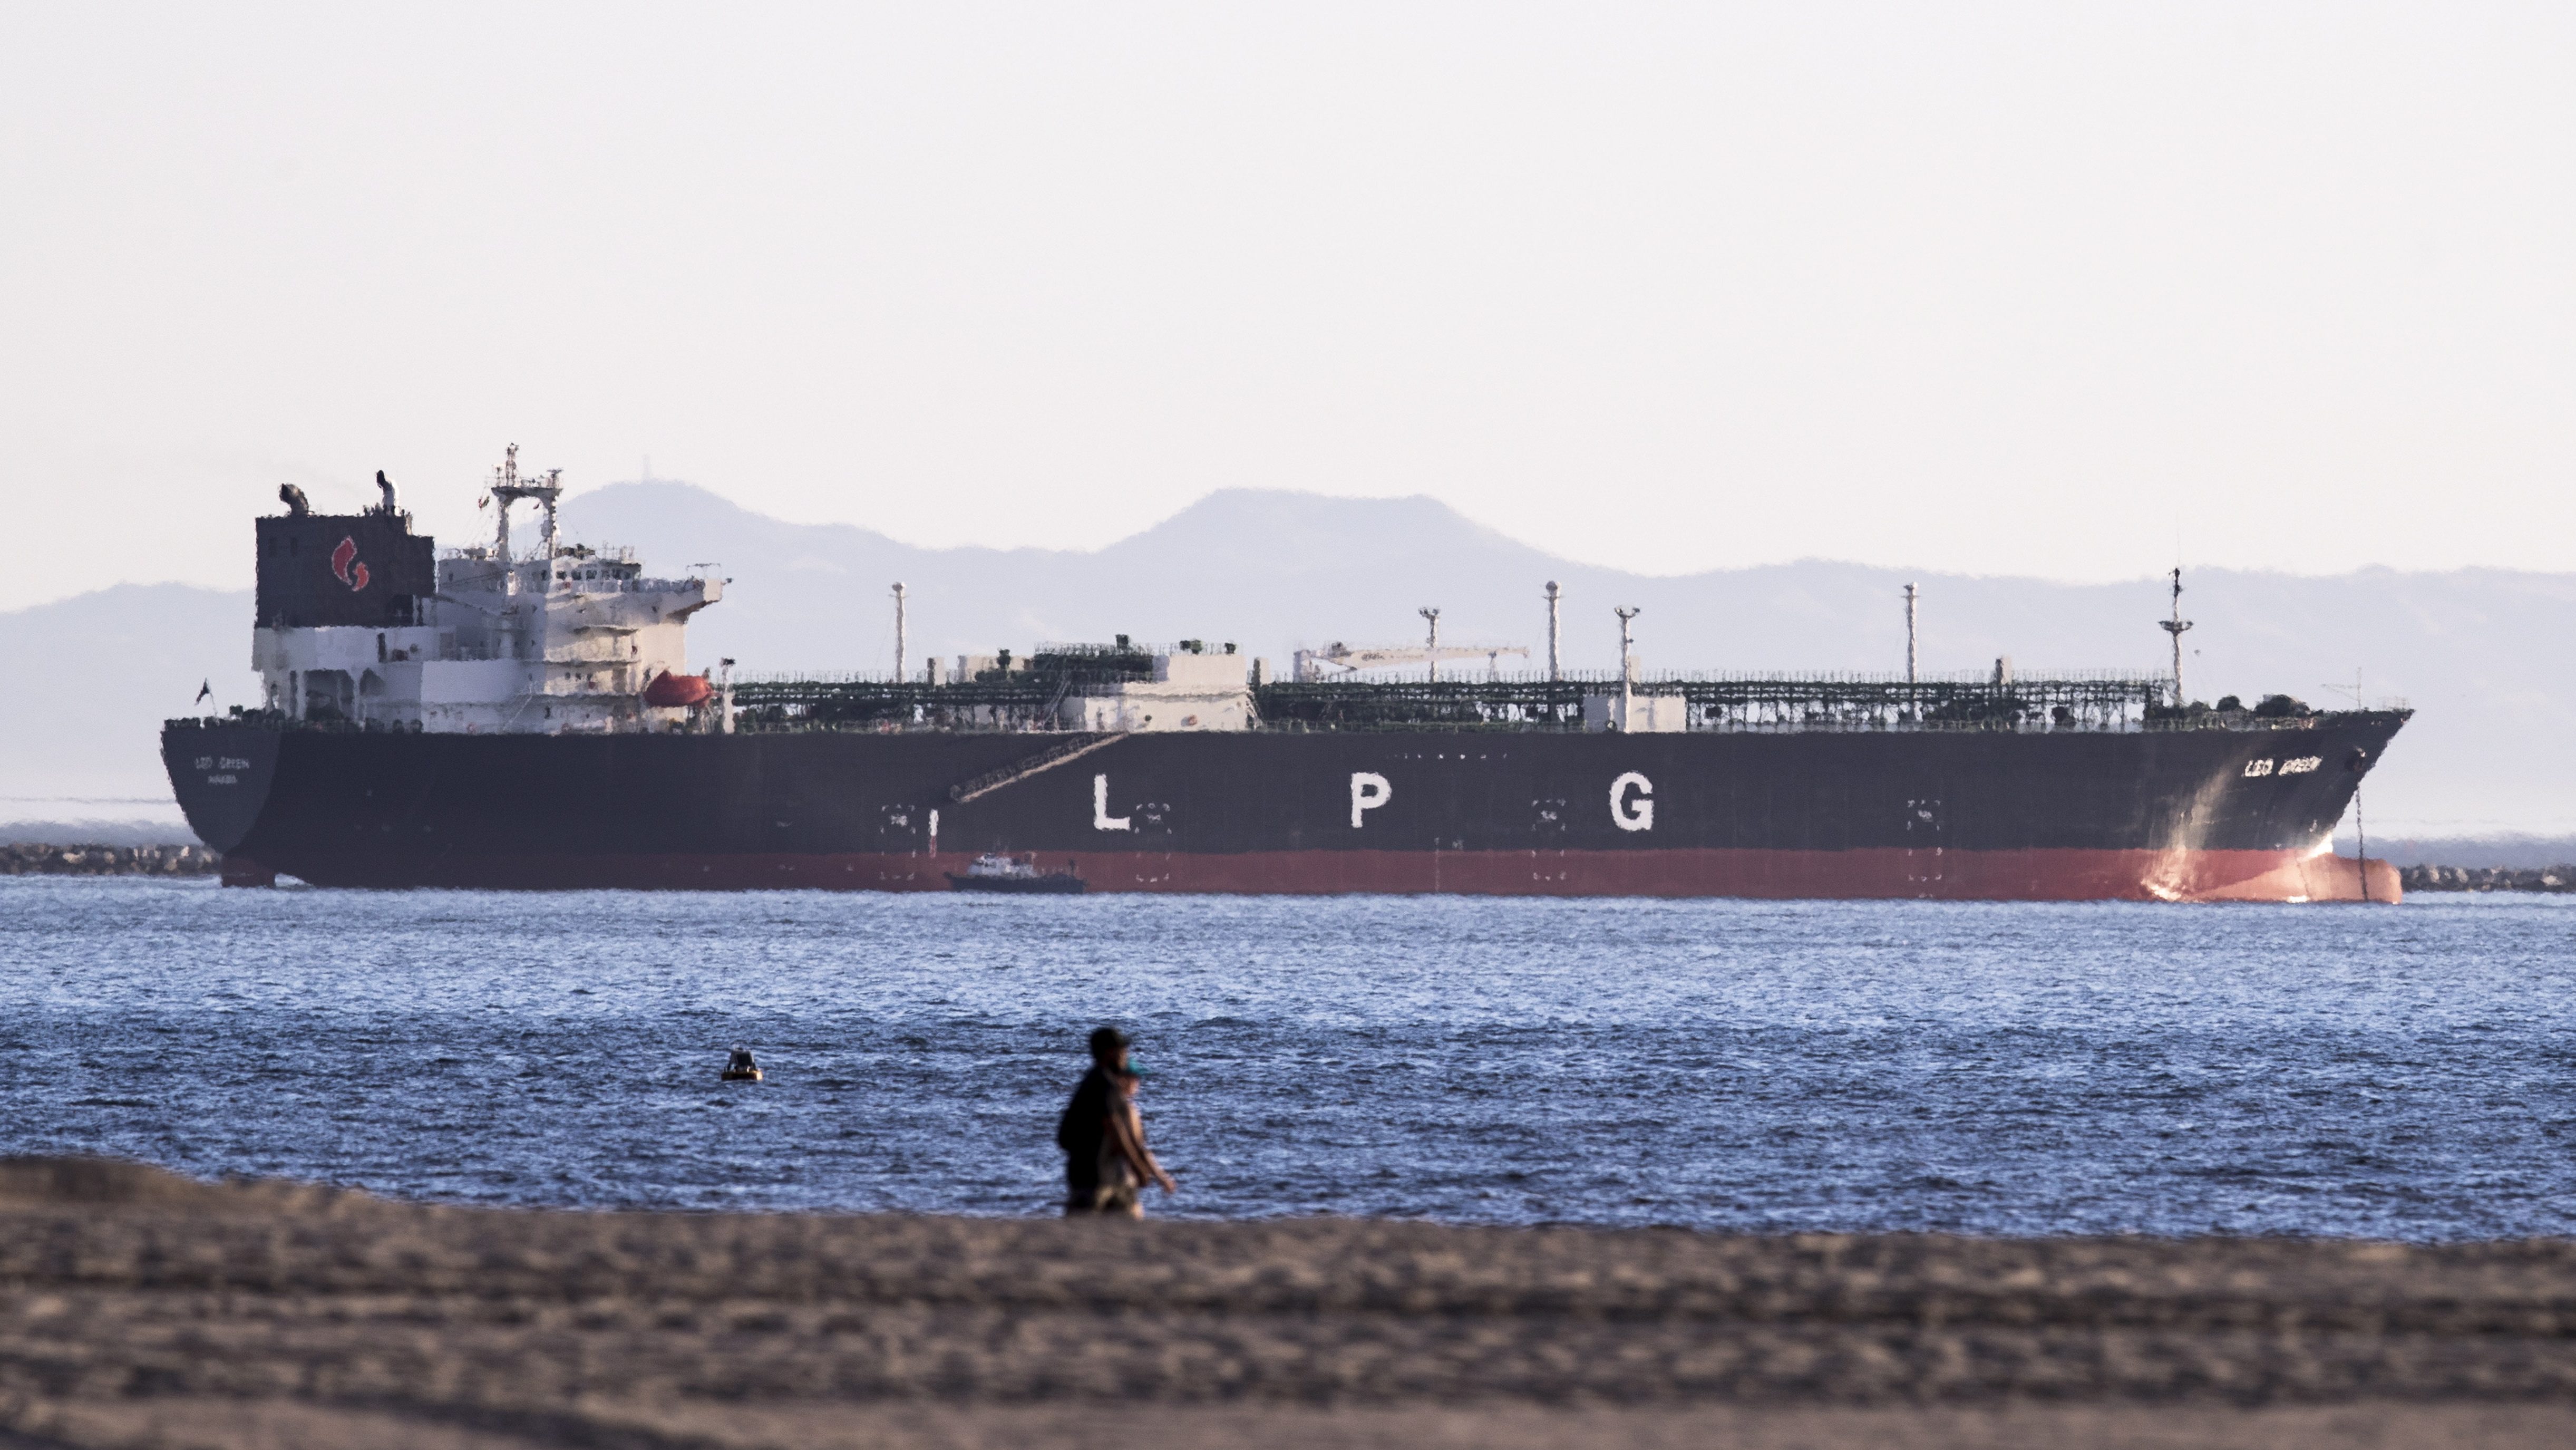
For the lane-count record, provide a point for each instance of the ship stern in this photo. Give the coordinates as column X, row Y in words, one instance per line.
column 221, row 771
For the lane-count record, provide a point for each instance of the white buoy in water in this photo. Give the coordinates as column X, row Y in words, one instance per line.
column 740, row 1067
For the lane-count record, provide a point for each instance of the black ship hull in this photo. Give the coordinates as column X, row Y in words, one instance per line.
column 2152, row 814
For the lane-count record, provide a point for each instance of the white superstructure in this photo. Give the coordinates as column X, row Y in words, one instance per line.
column 556, row 639
column 1189, row 691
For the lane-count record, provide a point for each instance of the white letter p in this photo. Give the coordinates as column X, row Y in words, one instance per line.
column 1369, row 790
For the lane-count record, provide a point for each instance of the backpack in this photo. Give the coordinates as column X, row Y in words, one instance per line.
column 1071, row 1133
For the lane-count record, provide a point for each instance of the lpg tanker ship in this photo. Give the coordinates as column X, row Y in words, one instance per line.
column 501, row 717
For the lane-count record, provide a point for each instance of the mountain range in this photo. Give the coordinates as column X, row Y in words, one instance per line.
column 2479, row 652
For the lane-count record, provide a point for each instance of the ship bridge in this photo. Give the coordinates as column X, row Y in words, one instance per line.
column 362, row 622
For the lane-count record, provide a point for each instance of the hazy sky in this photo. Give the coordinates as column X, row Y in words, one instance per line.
column 2002, row 289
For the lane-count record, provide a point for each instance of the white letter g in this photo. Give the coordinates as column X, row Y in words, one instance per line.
column 1637, row 812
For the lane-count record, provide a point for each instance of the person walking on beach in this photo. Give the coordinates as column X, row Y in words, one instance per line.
column 1106, row 1162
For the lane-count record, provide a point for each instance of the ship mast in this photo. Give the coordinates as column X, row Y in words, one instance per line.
column 1909, row 634
column 2175, row 626
column 898, row 632
column 508, row 488
column 1555, row 669
column 1627, row 671
column 1433, row 649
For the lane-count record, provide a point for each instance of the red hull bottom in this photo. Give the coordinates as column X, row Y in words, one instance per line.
column 2035, row 875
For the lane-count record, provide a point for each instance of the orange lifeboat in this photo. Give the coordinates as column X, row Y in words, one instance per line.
column 668, row 691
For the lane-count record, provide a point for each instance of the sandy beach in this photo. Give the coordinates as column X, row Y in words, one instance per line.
column 141, row 1309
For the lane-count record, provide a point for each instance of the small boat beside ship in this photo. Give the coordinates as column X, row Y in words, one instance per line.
column 1013, row 875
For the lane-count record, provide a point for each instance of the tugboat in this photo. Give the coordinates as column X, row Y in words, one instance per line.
column 994, row 871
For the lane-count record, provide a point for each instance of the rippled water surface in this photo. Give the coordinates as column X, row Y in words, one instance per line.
column 2004, row 1068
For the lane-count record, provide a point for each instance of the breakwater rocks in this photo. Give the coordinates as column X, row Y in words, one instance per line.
column 142, row 1309
column 2487, row 878
column 109, row 861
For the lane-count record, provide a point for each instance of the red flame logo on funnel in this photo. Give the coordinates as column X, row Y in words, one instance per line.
column 345, row 566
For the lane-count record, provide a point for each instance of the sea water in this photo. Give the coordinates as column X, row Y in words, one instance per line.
column 1997, row 1068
